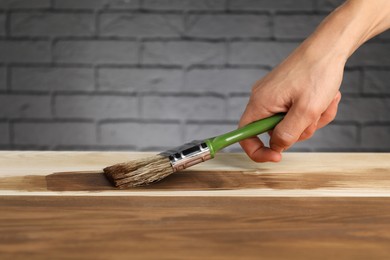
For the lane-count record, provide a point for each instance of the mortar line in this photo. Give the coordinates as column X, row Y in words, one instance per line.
column 8, row 80
column 11, row 134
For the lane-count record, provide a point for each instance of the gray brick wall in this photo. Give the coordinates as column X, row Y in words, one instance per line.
column 152, row 74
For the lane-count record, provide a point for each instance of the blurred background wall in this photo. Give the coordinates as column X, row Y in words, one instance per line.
column 151, row 74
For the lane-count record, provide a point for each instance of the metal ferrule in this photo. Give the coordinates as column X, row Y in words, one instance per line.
column 188, row 155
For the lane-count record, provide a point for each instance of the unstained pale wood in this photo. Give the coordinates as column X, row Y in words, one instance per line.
column 58, row 205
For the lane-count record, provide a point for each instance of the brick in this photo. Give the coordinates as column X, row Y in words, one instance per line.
column 328, row 5
column 3, row 78
column 115, row 52
column 259, row 53
column 222, row 80
column 183, row 53
column 140, row 80
column 51, row 79
column 376, row 81
column 96, row 107
column 202, row 131
column 141, row 25
column 296, row 26
column 185, row 5
column 236, row 106
column 24, row 106
column 364, row 110
column 4, row 134
column 96, row 4
column 142, row 135
column 54, row 133
column 285, row 5
column 30, row 4
column 2, row 24
column 376, row 137
column 51, row 24
column 331, row 137
column 24, row 51
column 232, row 25
column 371, row 54
column 177, row 107
column 351, row 82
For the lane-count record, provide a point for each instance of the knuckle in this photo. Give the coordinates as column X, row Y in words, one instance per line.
column 284, row 139
column 257, row 86
column 329, row 115
column 338, row 96
column 313, row 113
column 310, row 112
column 307, row 134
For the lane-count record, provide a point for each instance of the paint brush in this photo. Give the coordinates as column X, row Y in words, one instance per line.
column 152, row 169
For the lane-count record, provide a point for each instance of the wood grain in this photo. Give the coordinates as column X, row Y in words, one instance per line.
column 58, row 205
column 193, row 228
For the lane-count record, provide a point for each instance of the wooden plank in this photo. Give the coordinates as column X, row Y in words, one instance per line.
column 79, row 173
column 44, row 163
column 58, row 205
column 194, row 228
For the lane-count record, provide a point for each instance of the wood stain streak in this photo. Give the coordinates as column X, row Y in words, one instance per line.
column 200, row 180
column 23, row 183
column 78, row 181
column 60, row 181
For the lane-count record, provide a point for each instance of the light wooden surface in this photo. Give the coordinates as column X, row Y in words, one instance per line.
column 58, row 205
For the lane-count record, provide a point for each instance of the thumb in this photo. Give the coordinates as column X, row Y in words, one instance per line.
column 253, row 146
column 288, row 131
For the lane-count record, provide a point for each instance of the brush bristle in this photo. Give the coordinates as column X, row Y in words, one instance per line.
column 139, row 172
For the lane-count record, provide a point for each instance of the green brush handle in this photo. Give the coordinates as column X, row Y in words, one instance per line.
column 258, row 127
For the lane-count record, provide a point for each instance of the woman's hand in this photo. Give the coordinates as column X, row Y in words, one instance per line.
column 304, row 86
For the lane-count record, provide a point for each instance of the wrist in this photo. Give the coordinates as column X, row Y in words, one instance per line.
column 361, row 20
column 347, row 28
